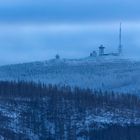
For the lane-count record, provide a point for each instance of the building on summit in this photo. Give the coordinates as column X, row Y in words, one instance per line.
column 102, row 48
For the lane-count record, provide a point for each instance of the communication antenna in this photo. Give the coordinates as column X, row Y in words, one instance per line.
column 120, row 40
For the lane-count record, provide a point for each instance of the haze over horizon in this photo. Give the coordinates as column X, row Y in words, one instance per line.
column 37, row 30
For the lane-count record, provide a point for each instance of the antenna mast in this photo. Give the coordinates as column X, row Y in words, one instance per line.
column 120, row 40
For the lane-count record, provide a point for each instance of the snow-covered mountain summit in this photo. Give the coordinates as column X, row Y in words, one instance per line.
column 106, row 73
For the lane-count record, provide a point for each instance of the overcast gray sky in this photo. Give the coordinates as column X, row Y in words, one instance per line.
column 36, row 30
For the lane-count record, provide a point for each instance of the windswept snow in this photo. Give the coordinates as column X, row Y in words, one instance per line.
column 106, row 73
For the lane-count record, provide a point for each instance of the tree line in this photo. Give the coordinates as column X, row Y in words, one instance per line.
column 86, row 97
column 55, row 112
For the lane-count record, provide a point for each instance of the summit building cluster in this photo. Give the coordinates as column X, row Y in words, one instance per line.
column 101, row 51
column 102, row 48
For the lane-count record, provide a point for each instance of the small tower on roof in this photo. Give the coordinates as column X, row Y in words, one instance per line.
column 57, row 56
column 101, row 50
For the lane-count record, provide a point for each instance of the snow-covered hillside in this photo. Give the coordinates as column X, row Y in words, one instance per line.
column 29, row 111
column 117, row 74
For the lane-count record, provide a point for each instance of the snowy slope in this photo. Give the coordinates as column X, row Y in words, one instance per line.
column 13, row 118
column 106, row 73
column 103, row 119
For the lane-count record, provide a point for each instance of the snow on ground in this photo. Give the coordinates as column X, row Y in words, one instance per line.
column 106, row 73
column 96, row 118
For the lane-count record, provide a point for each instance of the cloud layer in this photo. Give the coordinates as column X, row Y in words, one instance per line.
column 68, row 10
column 37, row 30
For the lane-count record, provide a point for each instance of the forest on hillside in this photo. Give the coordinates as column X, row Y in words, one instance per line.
column 30, row 111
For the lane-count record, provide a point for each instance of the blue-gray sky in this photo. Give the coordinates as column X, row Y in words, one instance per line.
column 38, row 29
